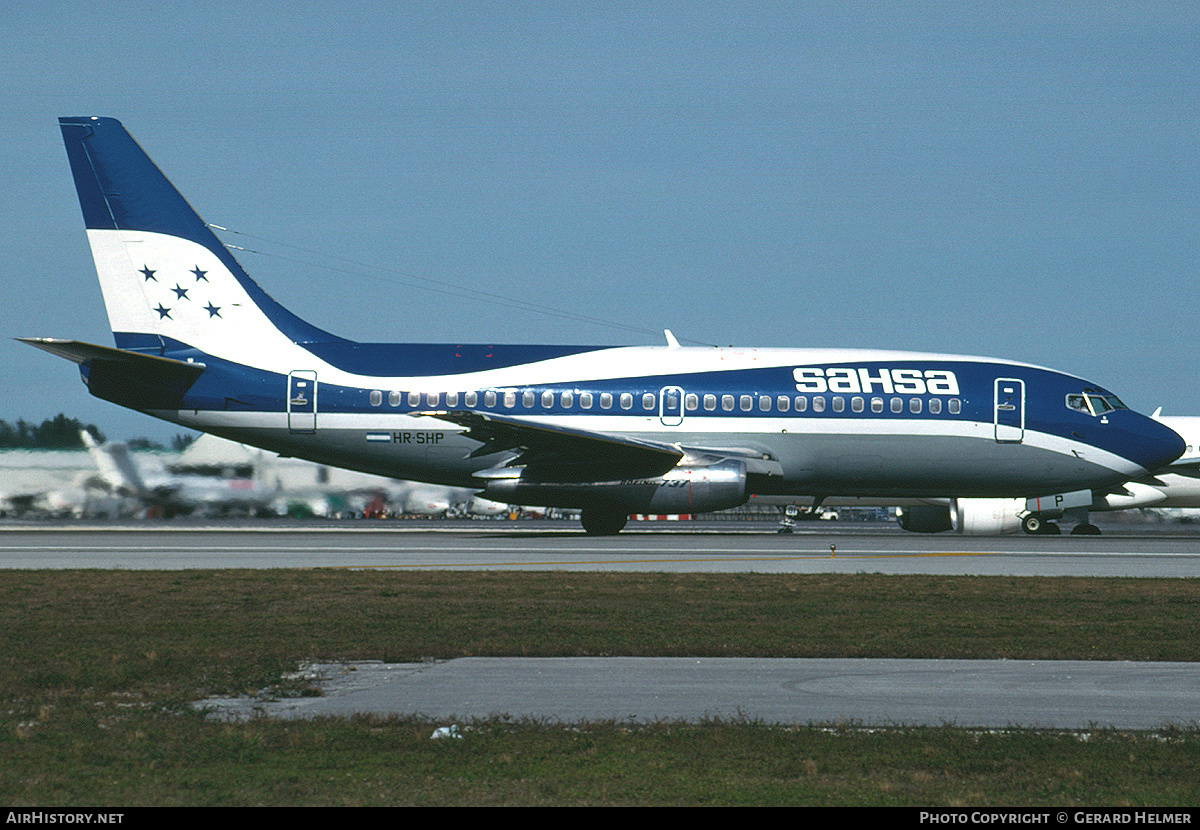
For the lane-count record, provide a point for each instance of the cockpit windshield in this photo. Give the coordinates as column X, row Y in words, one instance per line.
column 1093, row 403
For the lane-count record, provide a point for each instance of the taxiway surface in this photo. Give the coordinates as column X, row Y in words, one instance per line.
column 1059, row 694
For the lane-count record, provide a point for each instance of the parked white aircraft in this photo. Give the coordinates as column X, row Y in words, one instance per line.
column 184, row 489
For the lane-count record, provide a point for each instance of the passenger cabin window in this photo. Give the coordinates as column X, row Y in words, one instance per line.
column 746, row 402
column 954, row 406
column 783, row 403
column 856, row 404
column 568, row 400
column 648, row 401
column 547, row 400
column 839, row 403
column 606, row 400
column 451, row 399
column 914, row 406
column 510, row 399
column 626, row 400
column 727, row 403
column 764, row 403
column 433, row 398
column 897, row 404
column 585, row 400
column 377, row 398
column 414, row 399
column 935, row 406
column 877, row 405
column 801, row 403
column 489, row 399
column 818, row 403
column 691, row 402
column 527, row 398
column 710, row 402
column 471, row 399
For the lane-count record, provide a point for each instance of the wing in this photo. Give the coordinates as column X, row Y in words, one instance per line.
column 563, row 452
column 556, row 453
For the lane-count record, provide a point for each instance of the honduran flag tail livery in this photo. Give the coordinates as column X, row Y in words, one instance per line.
column 613, row 431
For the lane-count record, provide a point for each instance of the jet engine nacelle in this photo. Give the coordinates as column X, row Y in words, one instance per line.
column 986, row 517
column 925, row 518
column 680, row 490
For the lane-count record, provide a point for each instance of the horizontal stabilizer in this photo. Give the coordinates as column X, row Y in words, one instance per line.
column 79, row 352
column 133, row 379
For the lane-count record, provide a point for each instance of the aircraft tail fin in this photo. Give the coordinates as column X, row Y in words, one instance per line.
column 115, row 465
column 168, row 282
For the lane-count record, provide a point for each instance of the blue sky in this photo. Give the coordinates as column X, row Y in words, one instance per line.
column 1008, row 179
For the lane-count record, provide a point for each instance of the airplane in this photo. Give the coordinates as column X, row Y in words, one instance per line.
column 180, row 490
column 51, row 484
column 607, row 430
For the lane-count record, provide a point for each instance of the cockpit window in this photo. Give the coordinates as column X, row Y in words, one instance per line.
column 1093, row 403
column 1078, row 403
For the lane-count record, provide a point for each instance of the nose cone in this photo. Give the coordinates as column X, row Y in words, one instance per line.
column 1153, row 445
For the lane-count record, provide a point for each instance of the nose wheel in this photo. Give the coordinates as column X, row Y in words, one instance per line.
column 1035, row 525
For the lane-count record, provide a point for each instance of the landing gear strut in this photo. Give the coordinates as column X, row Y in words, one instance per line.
column 788, row 523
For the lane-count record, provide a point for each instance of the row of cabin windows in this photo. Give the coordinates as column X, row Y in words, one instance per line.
column 691, row 401
column 784, row 403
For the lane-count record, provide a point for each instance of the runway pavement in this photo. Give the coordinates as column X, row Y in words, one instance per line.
column 675, row 547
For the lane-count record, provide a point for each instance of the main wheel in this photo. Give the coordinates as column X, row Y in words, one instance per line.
column 1032, row 524
column 603, row 521
column 1085, row 530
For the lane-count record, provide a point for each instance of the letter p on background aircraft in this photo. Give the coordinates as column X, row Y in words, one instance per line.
column 613, row 431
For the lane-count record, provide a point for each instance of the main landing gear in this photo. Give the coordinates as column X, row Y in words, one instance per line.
column 603, row 521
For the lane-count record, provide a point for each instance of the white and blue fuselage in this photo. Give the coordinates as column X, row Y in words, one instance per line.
column 610, row 430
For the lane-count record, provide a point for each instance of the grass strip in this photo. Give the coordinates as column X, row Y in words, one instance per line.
column 97, row 666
